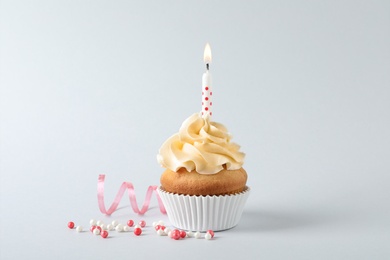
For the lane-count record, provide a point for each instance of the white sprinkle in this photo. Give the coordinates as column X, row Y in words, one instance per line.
column 207, row 236
column 126, row 228
column 190, row 234
column 114, row 223
column 92, row 222
column 96, row 231
column 197, row 235
column 99, row 223
column 110, row 227
column 167, row 230
column 119, row 228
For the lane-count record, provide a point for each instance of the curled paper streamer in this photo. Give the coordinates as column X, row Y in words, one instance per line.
column 133, row 201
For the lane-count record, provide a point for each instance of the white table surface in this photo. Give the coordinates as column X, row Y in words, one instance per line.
column 91, row 87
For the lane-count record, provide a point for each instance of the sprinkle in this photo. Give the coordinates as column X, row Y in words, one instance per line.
column 126, row 228
column 110, row 227
column 119, row 228
column 197, row 235
column 175, row 234
column 104, row 234
column 96, row 231
column 167, row 231
column 142, row 223
column 137, row 231
column 92, row 228
column 210, row 232
column 71, row 225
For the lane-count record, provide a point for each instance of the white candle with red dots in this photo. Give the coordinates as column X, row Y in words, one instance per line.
column 206, row 84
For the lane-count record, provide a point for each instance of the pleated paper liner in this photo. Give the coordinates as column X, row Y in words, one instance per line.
column 201, row 213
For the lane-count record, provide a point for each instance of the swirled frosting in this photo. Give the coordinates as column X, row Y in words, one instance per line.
column 200, row 145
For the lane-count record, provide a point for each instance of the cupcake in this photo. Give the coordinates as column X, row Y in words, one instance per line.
column 204, row 184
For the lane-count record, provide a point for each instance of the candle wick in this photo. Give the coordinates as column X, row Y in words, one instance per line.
column 207, row 66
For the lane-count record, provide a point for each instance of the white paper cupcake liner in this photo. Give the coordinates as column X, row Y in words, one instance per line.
column 201, row 213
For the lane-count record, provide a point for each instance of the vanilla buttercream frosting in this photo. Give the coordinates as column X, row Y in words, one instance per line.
column 200, row 145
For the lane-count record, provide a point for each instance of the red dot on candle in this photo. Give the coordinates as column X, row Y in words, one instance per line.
column 206, row 108
column 202, row 93
column 211, row 93
column 211, row 103
column 207, row 88
column 211, row 113
column 202, row 103
column 206, row 98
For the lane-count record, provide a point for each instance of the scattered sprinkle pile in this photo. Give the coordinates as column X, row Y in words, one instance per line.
column 102, row 229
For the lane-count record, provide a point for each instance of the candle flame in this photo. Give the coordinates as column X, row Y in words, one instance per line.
column 207, row 54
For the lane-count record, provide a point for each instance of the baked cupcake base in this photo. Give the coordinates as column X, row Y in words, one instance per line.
column 201, row 213
column 193, row 183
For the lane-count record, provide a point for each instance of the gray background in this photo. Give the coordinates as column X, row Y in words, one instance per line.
column 90, row 87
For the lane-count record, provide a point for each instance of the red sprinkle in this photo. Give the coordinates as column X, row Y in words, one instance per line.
column 210, row 232
column 130, row 223
column 71, row 225
column 183, row 234
column 92, row 228
column 137, row 231
column 104, row 234
column 142, row 223
column 175, row 234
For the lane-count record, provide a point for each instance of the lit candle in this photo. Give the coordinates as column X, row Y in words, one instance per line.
column 206, row 84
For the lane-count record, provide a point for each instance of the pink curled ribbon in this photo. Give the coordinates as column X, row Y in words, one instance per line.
column 133, row 201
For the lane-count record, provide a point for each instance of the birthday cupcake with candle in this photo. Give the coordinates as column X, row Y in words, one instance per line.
column 204, row 184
